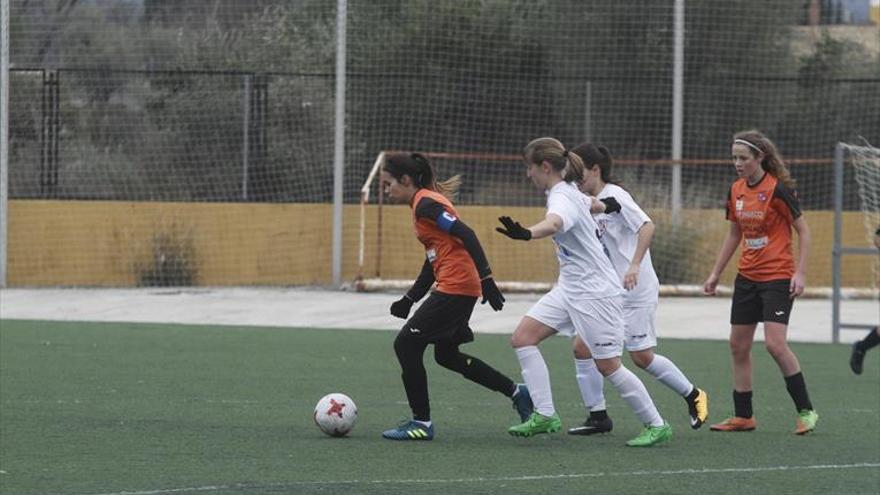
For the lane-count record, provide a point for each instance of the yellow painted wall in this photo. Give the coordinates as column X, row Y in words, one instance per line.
column 103, row 243
column 108, row 243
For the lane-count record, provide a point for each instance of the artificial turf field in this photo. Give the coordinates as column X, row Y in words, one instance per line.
column 103, row 408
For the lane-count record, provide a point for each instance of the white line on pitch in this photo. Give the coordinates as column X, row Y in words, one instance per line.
column 674, row 472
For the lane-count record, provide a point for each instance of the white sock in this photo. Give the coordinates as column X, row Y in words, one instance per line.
column 426, row 423
column 668, row 373
column 634, row 393
column 591, row 383
column 537, row 378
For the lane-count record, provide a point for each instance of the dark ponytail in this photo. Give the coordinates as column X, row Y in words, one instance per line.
column 421, row 172
column 592, row 155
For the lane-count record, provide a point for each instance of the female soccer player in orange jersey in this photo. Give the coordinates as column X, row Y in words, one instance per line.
column 455, row 260
column 762, row 208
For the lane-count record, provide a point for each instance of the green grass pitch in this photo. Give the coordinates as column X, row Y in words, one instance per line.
column 98, row 408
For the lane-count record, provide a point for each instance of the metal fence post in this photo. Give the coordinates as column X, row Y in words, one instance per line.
column 836, row 251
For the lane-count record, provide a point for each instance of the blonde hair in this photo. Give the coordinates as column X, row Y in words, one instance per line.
column 420, row 170
column 552, row 151
column 772, row 162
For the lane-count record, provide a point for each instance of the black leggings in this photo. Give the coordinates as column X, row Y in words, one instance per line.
column 410, row 353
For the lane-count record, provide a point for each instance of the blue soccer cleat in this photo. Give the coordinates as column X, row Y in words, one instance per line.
column 522, row 402
column 410, row 430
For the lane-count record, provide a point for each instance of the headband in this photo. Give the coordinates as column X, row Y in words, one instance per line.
column 750, row 145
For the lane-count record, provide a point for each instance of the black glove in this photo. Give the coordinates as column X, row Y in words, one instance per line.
column 611, row 204
column 492, row 294
column 401, row 307
column 513, row 230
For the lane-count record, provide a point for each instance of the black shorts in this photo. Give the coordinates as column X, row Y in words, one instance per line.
column 442, row 317
column 755, row 302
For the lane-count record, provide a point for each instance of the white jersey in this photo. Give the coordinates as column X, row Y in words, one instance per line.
column 618, row 232
column 584, row 270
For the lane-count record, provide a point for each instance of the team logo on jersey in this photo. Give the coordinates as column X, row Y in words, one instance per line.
column 754, row 215
column 431, row 254
column 561, row 252
column 762, row 196
column 757, row 243
column 739, row 204
column 603, row 227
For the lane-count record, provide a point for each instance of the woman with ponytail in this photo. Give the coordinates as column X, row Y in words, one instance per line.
column 627, row 235
column 586, row 300
column 455, row 260
column 762, row 209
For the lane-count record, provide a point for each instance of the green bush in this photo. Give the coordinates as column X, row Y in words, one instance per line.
column 172, row 263
column 673, row 252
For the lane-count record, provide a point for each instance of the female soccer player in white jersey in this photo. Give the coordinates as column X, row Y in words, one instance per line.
column 585, row 301
column 626, row 236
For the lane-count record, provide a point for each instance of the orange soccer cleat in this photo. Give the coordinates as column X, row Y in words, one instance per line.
column 735, row 424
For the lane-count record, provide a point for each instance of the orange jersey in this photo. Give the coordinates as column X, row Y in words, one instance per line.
column 764, row 213
column 454, row 270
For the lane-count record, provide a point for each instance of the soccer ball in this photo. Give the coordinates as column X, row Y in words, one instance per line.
column 335, row 414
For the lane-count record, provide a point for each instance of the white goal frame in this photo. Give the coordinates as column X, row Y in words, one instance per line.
column 839, row 250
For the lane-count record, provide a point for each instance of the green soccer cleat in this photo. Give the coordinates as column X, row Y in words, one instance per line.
column 652, row 435
column 536, row 424
column 806, row 422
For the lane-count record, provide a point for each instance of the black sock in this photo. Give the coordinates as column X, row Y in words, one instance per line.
column 410, row 354
column 691, row 397
column 599, row 415
column 742, row 404
column 514, row 390
column 870, row 340
column 797, row 389
column 474, row 369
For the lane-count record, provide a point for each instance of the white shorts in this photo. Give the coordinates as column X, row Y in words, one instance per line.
column 639, row 328
column 598, row 322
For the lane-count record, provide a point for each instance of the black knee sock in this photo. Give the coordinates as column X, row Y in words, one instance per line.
column 473, row 369
column 870, row 340
column 742, row 404
column 797, row 389
column 410, row 354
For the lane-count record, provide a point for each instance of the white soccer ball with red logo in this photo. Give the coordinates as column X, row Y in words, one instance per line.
column 335, row 414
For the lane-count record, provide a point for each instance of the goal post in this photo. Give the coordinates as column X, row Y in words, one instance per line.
column 365, row 199
column 864, row 166
column 4, row 137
